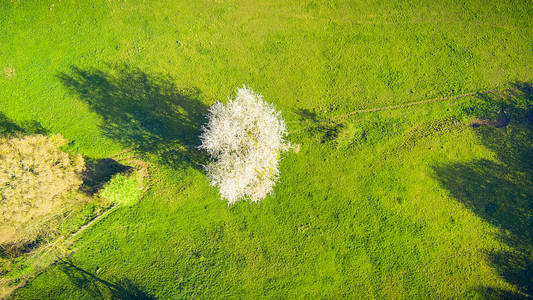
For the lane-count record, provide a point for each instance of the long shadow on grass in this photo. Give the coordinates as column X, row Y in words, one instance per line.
column 501, row 191
column 9, row 127
column 99, row 288
column 142, row 110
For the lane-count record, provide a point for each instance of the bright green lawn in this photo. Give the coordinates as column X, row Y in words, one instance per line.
column 403, row 204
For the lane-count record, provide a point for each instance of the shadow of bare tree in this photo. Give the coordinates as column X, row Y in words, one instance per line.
column 99, row 288
column 9, row 127
column 501, row 191
column 145, row 111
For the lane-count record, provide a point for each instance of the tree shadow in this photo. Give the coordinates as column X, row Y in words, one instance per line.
column 314, row 124
column 9, row 127
column 99, row 288
column 501, row 191
column 144, row 111
column 99, row 171
column 494, row 293
column 306, row 115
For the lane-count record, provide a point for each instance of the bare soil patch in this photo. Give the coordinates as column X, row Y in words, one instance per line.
column 487, row 122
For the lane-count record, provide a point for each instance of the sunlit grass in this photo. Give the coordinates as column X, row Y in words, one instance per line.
column 372, row 207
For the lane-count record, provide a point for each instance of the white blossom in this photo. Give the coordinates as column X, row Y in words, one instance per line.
column 245, row 139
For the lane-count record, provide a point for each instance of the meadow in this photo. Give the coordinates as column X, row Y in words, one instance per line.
column 428, row 201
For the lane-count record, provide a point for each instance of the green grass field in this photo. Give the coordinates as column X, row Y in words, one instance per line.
column 407, row 203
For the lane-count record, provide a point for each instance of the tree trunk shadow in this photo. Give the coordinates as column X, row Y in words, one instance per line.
column 98, row 287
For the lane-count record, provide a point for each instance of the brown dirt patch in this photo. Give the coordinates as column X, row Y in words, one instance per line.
column 487, row 122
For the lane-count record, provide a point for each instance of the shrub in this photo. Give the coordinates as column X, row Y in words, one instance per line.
column 245, row 138
column 36, row 178
column 124, row 189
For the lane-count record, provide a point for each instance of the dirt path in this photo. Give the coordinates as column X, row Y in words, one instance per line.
column 355, row 112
